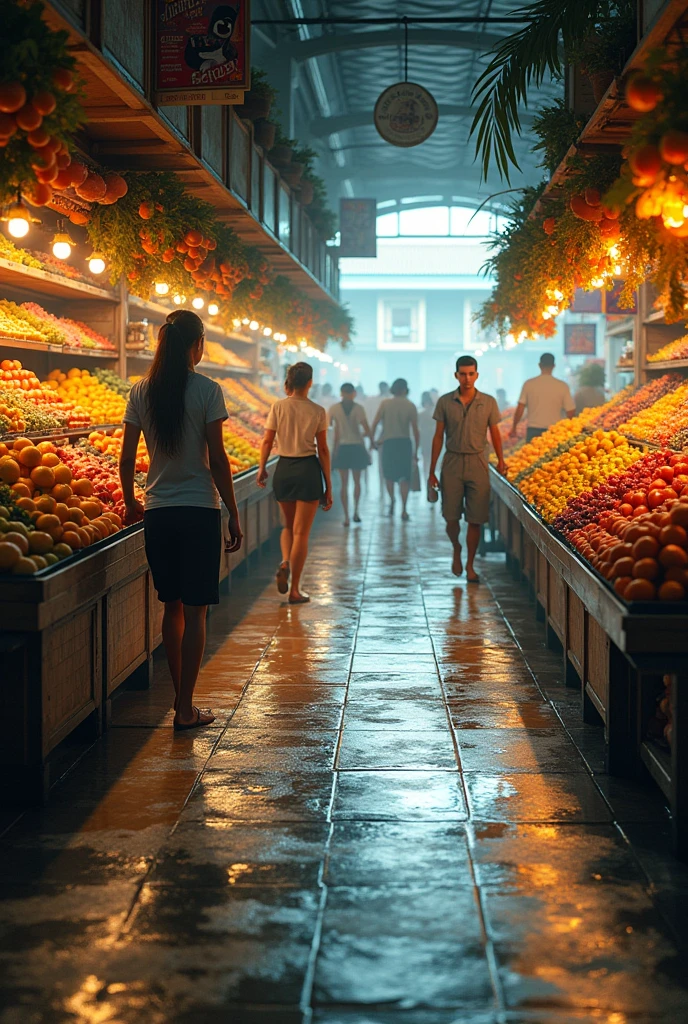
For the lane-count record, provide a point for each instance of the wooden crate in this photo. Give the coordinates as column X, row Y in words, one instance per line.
column 70, row 674
column 542, row 584
column 597, row 666
column 556, row 607
column 529, row 562
column 575, row 634
column 126, row 629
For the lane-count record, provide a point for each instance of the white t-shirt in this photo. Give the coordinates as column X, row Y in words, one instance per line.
column 350, row 427
column 296, row 421
column 547, row 398
column 185, row 479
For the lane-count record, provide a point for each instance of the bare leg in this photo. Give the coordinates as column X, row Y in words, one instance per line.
column 344, row 475
column 172, row 633
column 287, row 536
column 404, row 487
column 303, row 521
column 453, row 534
column 472, row 541
column 357, row 490
column 193, row 645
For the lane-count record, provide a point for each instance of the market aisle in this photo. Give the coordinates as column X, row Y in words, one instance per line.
column 389, row 823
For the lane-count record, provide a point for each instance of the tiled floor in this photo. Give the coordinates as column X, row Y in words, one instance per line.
column 397, row 818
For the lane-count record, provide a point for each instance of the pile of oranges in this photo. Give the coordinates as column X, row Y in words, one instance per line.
column 78, row 386
column 111, row 444
column 64, row 512
column 558, row 434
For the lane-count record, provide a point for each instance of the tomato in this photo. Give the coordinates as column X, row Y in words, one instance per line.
column 667, row 473
column 640, row 510
column 639, row 498
column 626, row 509
column 655, row 498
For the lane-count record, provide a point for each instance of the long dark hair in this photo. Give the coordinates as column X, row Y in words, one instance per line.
column 168, row 377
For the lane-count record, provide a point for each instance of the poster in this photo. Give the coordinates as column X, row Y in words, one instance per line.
column 201, row 51
column 580, row 339
column 613, row 304
column 586, row 302
column 358, row 227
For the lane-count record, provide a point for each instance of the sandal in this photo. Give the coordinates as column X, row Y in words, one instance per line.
column 301, row 599
column 198, row 724
column 282, row 577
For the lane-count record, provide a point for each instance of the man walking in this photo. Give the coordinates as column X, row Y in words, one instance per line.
column 545, row 397
column 465, row 416
column 371, row 405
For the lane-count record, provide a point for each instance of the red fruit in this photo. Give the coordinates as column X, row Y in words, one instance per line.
column 28, row 118
column 646, row 162
column 549, row 225
column 673, row 147
column 667, row 473
column 642, row 93
column 638, row 498
column 193, row 238
column 12, row 97
column 640, row 510
column 63, row 79
column 45, row 103
column 581, row 209
column 626, row 509
column 146, row 211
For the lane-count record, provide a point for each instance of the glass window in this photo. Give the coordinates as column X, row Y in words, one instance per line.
column 428, row 220
column 401, row 325
column 388, row 225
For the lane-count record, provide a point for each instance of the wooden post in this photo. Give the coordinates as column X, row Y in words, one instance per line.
column 679, row 762
column 622, row 750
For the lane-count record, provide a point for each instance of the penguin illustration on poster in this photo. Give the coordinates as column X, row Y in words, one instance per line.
column 215, row 47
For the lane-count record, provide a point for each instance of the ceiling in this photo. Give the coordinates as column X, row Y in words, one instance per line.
column 337, row 71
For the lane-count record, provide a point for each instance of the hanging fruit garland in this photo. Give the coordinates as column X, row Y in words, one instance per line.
column 40, row 105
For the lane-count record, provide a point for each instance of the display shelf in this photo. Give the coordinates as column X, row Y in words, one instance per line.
column 658, row 763
column 623, row 326
column 16, row 275
column 58, row 350
column 655, row 317
column 158, row 309
column 68, row 434
column 668, row 364
column 232, row 371
column 624, row 368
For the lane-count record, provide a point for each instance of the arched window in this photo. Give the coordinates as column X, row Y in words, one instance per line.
column 438, row 222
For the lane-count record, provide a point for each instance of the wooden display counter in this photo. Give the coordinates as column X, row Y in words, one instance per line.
column 72, row 636
column 615, row 654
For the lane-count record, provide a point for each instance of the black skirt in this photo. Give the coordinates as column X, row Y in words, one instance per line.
column 183, row 548
column 351, row 456
column 397, row 454
column 298, row 479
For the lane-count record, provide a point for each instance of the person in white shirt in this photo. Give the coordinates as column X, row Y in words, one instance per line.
column 300, row 428
column 546, row 398
column 350, row 427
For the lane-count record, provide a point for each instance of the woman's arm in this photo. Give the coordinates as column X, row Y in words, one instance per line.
column 414, row 427
column 265, row 449
column 324, row 459
column 222, row 475
column 127, row 469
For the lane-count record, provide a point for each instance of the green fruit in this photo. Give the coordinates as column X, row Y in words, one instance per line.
column 4, row 512
column 18, row 527
column 50, row 558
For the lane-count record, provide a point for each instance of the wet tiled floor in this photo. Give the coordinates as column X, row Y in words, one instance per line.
column 397, row 818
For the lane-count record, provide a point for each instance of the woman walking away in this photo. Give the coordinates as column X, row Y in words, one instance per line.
column 300, row 427
column 181, row 414
column 426, row 428
column 350, row 427
column 399, row 419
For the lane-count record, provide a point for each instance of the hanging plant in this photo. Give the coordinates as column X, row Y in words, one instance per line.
column 40, row 104
column 557, row 127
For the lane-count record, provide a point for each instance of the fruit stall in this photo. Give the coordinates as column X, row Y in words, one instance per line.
column 594, row 518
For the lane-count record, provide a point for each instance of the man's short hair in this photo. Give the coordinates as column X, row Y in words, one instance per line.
column 547, row 359
column 466, row 361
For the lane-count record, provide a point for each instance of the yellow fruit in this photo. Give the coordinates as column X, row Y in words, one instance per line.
column 51, row 558
column 63, row 474
column 30, row 456
column 42, row 476
column 83, row 487
column 24, row 567
column 62, row 550
column 40, row 542
column 9, row 555
column 39, row 561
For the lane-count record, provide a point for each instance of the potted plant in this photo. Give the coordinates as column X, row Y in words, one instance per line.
column 264, row 132
column 603, row 51
column 259, row 99
column 283, row 149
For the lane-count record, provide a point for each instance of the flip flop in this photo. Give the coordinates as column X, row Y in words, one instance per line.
column 198, row 724
column 282, row 577
column 302, row 599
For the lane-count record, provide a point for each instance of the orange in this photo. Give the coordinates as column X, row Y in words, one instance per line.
column 48, row 523
column 75, row 516
column 26, row 504
column 73, row 501
column 46, row 447
column 45, row 503
column 40, row 542
column 670, row 590
column 20, row 539
column 50, row 459
column 61, row 492
column 9, row 470
column 42, row 476
column 24, row 567
column 672, row 554
column 640, row 590
column 61, row 511
column 22, row 442
column 9, row 555
column 62, row 550
column 63, row 474
column 83, row 487
column 114, row 518
column 30, row 456
column 39, row 561
column 4, row 450
column 91, row 509
column 72, row 539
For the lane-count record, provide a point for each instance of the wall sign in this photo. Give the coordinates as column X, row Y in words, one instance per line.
column 358, row 227
column 580, row 339
column 406, row 114
column 201, row 52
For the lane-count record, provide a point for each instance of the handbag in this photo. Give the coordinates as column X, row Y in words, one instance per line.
column 415, row 477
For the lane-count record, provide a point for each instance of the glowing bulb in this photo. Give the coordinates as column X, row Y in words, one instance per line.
column 18, row 227
column 213, row 309
column 614, row 252
column 554, row 310
column 161, row 287
column 616, row 271
column 178, row 299
column 597, row 282
column 197, row 302
column 337, row 365
column 236, row 322
column 302, row 344
column 546, row 315
column 96, row 263
column 246, row 321
column 253, row 325
column 267, row 331
column 510, row 338
column 62, row 248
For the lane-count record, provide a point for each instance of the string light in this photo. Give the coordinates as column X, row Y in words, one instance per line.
column 267, row 331
column 213, row 309
column 253, row 325
column 96, row 263
column 179, row 300
column 18, row 219
column 197, row 302
column 246, row 321
column 161, row 288
column 62, row 243
column 236, row 322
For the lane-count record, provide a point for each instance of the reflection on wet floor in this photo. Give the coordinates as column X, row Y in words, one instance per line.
column 397, row 818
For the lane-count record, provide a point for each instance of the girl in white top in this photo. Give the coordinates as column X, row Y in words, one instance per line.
column 300, row 428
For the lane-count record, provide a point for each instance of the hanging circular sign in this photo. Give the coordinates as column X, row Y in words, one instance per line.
column 406, row 114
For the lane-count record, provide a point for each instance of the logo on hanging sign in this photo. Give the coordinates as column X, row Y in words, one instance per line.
column 406, row 114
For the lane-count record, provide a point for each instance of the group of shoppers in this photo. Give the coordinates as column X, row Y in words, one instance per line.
column 181, row 415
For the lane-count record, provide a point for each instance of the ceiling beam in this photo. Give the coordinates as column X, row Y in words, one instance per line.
column 437, row 181
column 336, row 43
column 321, row 127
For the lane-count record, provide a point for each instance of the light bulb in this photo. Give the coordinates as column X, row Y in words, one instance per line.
column 213, row 309
column 253, row 325
column 236, row 322
column 197, row 302
column 597, row 282
column 62, row 250
column 161, row 288
column 267, row 331
column 179, row 300
column 96, row 263
column 546, row 315
column 18, row 227
column 246, row 320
